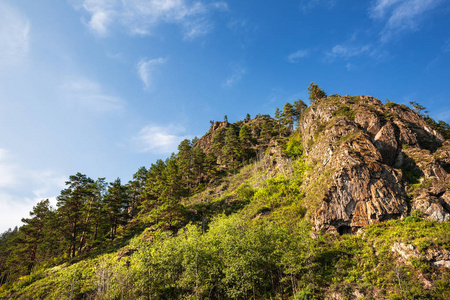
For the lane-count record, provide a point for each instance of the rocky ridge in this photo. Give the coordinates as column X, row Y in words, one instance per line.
column 372, row 162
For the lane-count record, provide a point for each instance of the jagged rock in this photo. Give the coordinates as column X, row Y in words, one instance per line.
column 406, row 251
column 431, row 207
column 434, row 256
column 386, row 143
column 359, row 156
column 205, row 142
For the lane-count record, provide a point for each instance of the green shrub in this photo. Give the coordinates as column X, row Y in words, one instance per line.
column 294, row 147
column 344, row 111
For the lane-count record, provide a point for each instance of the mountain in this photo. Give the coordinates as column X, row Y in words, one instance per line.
column 372, row 162
column 352, row 204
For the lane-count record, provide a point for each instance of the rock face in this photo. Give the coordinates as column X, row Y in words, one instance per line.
column 206, row 141
column 372, row 162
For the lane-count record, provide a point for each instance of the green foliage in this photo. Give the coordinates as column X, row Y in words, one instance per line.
column 288, row 116
column 418, row 108
column 294, row 147
column 315, row 92
column 441, row 126
column 218, row 233
column 344, row 111
column 390, row 104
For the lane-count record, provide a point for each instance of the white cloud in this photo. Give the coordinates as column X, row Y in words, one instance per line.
column 22, row 187
column 236, row 76
column 196, row 28
column 146, row 70
column 348, row 51
column 14, row 35
column 308, row 5
column 401, row 15
column 141, row 16
column 8, row 171
column 90, row 95
column 297, row 56
column 159, row 139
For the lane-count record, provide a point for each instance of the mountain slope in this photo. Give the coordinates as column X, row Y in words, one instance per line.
column 352, row 204
column 372, row 162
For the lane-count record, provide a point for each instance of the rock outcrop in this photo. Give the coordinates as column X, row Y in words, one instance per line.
column 372, row 162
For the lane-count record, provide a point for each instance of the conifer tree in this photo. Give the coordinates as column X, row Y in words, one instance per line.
column 199, row 165
column 97, row 216
column 185, row 163
column 266, row 131
column 288, row 116
column 171, row 188
column 93, row 218
column 7, row 239
column 245, row 138
column 71, row 209
column 33, row 232
column 135, row 189
column 299, row 108
column 218, row 142
column 116, row 202
column 315, row 92
column 151, row 192
column 278, row 119
column 231, row 149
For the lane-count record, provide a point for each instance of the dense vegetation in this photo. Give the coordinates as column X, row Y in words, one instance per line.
column 228, row 223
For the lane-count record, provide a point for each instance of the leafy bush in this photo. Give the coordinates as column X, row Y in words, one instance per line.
column 344, row 111
column 294, row 147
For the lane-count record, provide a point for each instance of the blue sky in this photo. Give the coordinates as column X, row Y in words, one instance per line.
column 103, row 87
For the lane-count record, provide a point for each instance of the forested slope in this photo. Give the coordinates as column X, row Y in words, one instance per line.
column 348, row 198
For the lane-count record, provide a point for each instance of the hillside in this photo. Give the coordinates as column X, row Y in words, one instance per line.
column 345, row 199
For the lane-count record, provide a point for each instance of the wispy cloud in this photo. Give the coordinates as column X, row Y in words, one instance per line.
column 89, row 94
column 238, row 72
column 8, row 170
column 401, row 15
column 446, row 47
column 14, row 179
column 295, row 57
column 140, row 17
column 159, row 139
column 146, row 69
column 14, row 35
column 307, row 5
column 347, row 51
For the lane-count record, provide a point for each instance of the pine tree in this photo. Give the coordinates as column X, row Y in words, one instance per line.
column 266, row 131
column 185, row 163
column 245, row 138
column 33, row 232
column 278, row 119
column 231, row 149
column 315, row 93
column 97, row 216
column 299, row 108
column 115, row 203
column 218, row 142
column 7, row 240
column 71, row 209
column 199, row 165
column 135, row 189
column 288, row 116
column 170, row 187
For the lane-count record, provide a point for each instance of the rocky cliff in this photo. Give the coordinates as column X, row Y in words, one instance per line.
column 372, row 162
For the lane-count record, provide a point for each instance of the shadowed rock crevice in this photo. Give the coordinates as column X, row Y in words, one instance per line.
column 372, row 162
